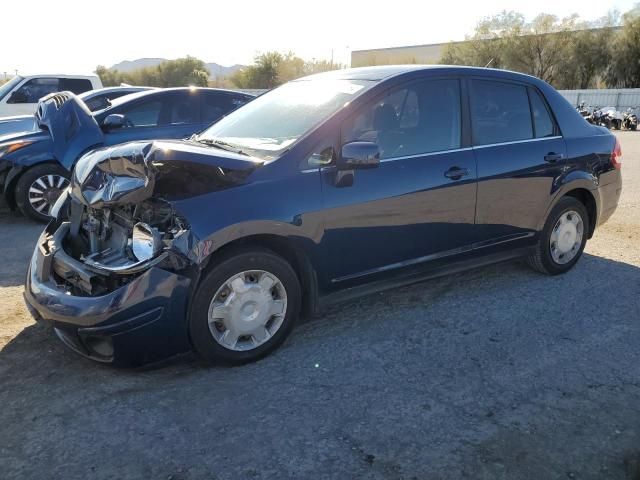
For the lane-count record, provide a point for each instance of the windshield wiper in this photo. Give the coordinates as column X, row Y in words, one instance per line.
column 222, row 145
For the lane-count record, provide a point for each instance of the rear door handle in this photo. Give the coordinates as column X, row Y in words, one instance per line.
column 456, row 173
column 553, row 157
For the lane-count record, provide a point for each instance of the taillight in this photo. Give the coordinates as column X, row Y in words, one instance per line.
column 616, row 156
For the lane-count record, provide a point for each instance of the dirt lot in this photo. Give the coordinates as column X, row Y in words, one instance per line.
column 495, row 373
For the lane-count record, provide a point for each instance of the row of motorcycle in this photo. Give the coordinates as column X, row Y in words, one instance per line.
column 609, row 117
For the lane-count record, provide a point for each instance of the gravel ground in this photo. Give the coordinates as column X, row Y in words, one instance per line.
column 495, row 373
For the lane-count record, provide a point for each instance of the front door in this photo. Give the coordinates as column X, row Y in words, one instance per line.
column 419, row 203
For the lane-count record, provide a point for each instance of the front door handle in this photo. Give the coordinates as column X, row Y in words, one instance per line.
column 456, row 173
column 552, row 157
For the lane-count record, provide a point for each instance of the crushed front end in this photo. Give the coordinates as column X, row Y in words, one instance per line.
column 112, row 272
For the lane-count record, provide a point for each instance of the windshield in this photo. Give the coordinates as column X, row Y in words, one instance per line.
column 270, row 124
column 7, row 87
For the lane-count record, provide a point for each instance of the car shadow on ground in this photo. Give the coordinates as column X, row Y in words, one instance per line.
column 496, row 372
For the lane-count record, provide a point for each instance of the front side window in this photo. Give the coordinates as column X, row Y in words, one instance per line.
column 421, row 118
column 145, row 114
column 34, row 89
column 273, row 122
column 499, row 112
column 6, row 87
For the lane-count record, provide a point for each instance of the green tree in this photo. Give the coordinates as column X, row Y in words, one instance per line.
column 564, row 52
column 624, row 68
column 271, row 69
column 181, row 72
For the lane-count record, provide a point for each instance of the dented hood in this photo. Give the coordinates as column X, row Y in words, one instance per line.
column 172, row 170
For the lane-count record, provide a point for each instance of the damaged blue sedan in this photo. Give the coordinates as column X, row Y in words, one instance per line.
column 331, row 186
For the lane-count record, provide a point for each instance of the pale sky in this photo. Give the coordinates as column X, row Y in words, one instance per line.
column 73, row 36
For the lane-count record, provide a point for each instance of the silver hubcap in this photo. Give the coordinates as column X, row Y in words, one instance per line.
column 247, row 310
column 44, row 192
column 566, row 237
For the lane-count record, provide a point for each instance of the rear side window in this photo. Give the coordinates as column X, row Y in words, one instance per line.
column 217, row 105
column 76, row 85
column 421, row 118
column 181, row 110
column 542, row 121
column 499, row 113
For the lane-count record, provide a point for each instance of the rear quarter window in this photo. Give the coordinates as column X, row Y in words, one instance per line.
column 499, row 112
column 542, row 121
column 75, row 85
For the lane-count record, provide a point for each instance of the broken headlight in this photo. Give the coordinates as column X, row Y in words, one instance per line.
column 146, row 241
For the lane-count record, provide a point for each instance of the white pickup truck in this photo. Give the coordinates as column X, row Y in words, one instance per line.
column 20, row 95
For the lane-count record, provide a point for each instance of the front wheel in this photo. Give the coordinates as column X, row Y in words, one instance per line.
column 562, row 239
column 38, row 189
column 245, row 307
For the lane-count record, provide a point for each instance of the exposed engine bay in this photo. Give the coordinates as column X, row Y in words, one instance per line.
column 117, row 220
column 122, row 239
column 99, row 250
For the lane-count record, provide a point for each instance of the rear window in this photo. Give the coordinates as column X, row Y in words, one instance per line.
column 499, row 112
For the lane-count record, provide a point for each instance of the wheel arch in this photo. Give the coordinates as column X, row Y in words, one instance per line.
column 14, row 176
column 285, row 247
column 586, row 197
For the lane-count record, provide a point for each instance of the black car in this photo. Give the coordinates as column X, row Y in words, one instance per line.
column 328, row 187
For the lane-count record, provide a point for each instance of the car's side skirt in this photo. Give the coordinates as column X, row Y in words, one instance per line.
column 416, row 276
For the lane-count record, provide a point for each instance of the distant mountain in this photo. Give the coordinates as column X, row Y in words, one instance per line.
column 215, row 70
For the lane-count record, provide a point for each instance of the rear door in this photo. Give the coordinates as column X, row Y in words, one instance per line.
column 520, row 155
column 174, row 115
column 410, row 209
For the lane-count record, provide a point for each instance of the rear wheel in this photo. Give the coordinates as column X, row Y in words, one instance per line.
column 562, row 239
column 245, row 307
column 38, row 189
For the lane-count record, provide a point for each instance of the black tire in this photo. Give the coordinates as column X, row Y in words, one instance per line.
column 634, row 127
column 228, row 265
column 541, row 259
column 21, row 191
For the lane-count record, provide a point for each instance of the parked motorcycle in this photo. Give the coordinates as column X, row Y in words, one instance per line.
column 630, row 120
column 586, row 112
column 607, row 117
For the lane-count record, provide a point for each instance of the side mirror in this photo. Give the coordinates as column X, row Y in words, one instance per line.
column 17, row 97
column 359, row 155
column 113, row 121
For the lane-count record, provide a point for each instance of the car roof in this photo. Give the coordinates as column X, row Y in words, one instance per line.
column 379, row 73
column 98, row 91
column 58, row 75
column 162, row 91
